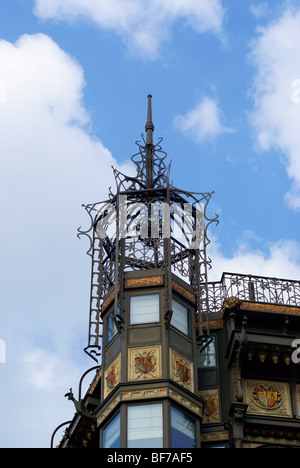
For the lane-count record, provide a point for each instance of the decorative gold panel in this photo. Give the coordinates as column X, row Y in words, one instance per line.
column 268, row 398
column 112, row 376
column 145, row 394
column 211, row 412
column 215, row 437
column 298, row 400
column 109, row 300
column 181, row 370
column 184, row 292
column 272, row 308
column 213, row 324
column 140, row 282
column 144, row 363
column 186, row 403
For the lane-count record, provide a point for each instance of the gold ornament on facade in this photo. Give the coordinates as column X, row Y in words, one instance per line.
column 211, row 412
column 144, row 363
column 181, row 370
column 112, row 376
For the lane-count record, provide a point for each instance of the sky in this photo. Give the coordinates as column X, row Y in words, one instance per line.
column 74, row 80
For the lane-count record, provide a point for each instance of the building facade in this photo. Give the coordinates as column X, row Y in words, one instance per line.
column 180, row 362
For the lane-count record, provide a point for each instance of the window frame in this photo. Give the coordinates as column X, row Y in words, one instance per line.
column 144, row 294
column 189, row 317
column 117, row 415
column 187, row 414
column 215, row 366
column 143, row 405
column 107, row 340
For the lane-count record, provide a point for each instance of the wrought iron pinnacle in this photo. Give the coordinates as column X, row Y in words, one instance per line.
column 149, row 125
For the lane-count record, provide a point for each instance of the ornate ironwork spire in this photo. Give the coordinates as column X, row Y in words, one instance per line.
column 147, row 224
column 149, row 145
column 149, row 125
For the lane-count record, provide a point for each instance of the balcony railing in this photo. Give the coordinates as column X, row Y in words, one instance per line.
column 255, row 289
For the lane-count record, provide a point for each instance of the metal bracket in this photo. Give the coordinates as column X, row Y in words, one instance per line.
column 168, row 318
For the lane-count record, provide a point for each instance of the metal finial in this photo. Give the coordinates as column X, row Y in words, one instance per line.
column 149, row 125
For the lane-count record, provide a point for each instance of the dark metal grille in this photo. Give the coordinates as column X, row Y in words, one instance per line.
column 254, row 289
column 262, row 289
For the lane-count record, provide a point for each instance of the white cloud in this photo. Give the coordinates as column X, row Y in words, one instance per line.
column 143, row 25
column 49, row 165
column 45, row 370
column 280, row 259
column 276, row 118
column 203, row 122
column 260, row 10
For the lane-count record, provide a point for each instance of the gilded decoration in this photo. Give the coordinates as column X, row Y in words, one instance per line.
column 112, row 376
column 271, row 308
column 211, row 412
column 144, row 363
column 108, row 410
column 213, row 325
column 140, row 282
column 232, row 303
column 109, row 300
column 142, row 394
column 186, row 403
column 95, row 382
column 215, row 437
column 184, row 292
column 181, row 370
column 258, row 441
column 298, row 401
column 146, row 394
column 251, row 446
column 268, row 398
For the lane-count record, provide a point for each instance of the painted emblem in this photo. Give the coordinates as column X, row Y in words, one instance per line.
column 145, row 364
column 111, row 379
column 210, row 407
column 183, row 372
column 267, row 397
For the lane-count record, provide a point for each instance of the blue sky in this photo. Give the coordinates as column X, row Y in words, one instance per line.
column 74, row 77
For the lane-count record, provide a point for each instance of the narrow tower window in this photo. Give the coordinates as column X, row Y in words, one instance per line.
column 145, row 426
column 181, row 318
column 183, row 429
column 207, row 358
column 144, row 309
column 111, row 329
column 2, row 352
column 111, row 434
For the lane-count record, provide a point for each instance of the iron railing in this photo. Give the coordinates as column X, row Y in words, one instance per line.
column 255, row 289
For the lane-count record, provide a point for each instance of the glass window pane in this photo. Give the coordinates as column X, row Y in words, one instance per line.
column 145, row 426
column 111, row 434
column 111, row 328
column 181, row 317
column 207, row 358
column 144, row 309
column 183, row 429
